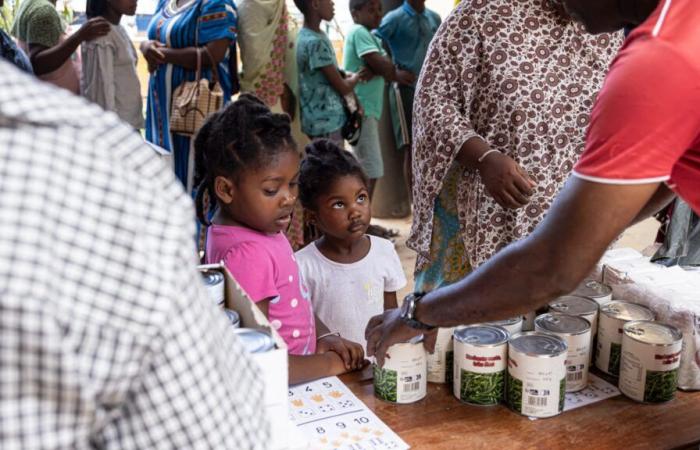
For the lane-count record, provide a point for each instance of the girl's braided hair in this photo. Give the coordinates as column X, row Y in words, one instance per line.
column 244, row 135
column 325, row 162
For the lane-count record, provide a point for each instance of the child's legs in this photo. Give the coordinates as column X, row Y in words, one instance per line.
column 368, row 151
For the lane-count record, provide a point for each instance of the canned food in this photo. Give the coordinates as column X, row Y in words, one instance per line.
column 529, row 321
column 214, row 283
column 536, row 382
column 576, row 331
column 480, row 353
column 613, row 316
column 440, row 361
column 512, row 326
column 595, row 290
column 233, row 317
column 651, row 354
column 579, row 306
column 403, row 379
column 255, row 341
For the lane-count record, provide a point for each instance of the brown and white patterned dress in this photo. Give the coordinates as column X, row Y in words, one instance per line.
column 523, row 77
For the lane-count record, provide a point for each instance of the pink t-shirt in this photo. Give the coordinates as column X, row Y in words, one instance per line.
column 265, row 267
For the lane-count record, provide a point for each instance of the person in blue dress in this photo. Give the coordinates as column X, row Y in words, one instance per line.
column 177, row 30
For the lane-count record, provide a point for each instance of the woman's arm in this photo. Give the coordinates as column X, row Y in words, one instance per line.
column 187, row 57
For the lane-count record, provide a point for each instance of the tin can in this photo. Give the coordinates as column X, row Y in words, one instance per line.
column 233, row 317
column 613, row 316
column 512, row 326
column 440, row 361
column 529, row 321
column 214, row 283
column 651, row 354
column 576, row 305
column 576, row 331
column 481, row 352
column 536, row 381
column 255, row 341
column 403, row 379
column 595, row 290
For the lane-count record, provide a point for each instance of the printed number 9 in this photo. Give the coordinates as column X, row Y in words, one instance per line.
column 341, row 425
column 320, row 430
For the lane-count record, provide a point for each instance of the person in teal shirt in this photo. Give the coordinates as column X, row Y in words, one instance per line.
column 407, row 30
column 321, row 85
column 363, row 49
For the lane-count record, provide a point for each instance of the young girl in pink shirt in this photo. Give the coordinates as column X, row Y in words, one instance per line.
column 248, row 162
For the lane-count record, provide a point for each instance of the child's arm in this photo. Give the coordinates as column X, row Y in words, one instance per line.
column 309, row 367
column 390, row 301
column 352, row 353
column 382, row 65
column 342, row 86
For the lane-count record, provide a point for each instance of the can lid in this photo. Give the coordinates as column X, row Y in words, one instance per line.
column 562, row 324
column 507, row 322
column 626, row 311
column 233, row 317
column 214, row 282
column 652, row 332
column 592, row 289
column 255, row 341
column 481, row 335
column 574, row 305
column 538, row 344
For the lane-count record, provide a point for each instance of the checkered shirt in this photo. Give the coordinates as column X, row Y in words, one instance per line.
column 107, row 339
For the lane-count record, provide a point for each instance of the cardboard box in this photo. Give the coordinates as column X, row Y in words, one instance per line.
column 273, row 364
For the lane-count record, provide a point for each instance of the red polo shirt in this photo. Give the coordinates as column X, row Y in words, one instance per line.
column 645, row 124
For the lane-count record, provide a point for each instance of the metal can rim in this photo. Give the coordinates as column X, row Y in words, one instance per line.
column 604, row 310
column 677, row 334
column 564, row 351
column 500, row 329
column 566, row 333
column 593, row 303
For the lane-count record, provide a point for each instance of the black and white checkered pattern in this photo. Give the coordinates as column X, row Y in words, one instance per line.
column 106, row 337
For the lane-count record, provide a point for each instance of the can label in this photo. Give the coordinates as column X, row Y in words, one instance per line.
column 479, row 375
column 536, row 386
column 403, row 379
column 577, row 360
column 440, row 361
column 649, row 373
column 609, row 345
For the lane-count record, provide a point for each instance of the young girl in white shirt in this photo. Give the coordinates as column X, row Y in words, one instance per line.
column 351, row 275
column 109, row 64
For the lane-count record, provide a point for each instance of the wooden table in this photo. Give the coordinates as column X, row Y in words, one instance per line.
column 439, row 421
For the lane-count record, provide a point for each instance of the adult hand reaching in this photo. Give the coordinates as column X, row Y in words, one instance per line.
column 152, row 53
column 387, row 329
column 94, row 28
column 507, row 182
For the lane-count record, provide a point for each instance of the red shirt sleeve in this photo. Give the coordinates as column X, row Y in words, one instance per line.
column 645, row 118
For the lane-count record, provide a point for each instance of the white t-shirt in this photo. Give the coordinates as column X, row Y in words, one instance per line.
column 346, row 296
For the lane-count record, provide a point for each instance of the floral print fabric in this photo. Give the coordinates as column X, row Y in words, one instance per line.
column 520, row 75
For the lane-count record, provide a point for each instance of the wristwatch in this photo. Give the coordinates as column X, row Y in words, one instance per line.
column 408, row 312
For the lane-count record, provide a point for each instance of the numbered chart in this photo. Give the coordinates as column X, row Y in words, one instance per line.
column 331, row 417
column 596, row 391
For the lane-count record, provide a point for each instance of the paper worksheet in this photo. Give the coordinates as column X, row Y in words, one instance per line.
column 331, row 417
column 597, row 390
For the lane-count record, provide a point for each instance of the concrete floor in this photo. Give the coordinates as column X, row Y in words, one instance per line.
column 638, row 237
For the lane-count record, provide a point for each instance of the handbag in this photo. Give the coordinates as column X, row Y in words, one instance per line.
column 353, row 119
column 194, row 101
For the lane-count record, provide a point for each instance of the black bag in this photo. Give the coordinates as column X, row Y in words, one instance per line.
column 353, row 119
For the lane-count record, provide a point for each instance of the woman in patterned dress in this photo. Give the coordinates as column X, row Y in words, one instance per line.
column 178, row 29
column 501, row 111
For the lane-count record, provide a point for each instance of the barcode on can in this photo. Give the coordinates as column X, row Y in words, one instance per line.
column 574, row 376
column 537, row 401
column 411, row 387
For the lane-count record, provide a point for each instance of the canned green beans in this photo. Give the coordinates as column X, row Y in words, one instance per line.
column 481, row 352
column 512, row 326
column 440, row 361
column 536, row 383
column 214, row 283
column 613, row 316
column 576, row 331
column 255, row 341
column 403, row 379
column 595, row 290
column 579, row 306
column 651, row 354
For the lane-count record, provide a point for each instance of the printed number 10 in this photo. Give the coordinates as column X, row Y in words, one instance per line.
column 361, row 420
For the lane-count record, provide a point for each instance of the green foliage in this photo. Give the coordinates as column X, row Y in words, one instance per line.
column 385, row 384
column 482, row 388
column 660, row 386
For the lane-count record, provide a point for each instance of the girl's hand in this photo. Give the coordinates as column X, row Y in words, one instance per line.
column 153, row 55
column 94, row 28
column 506, row 181
column 351, row 353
